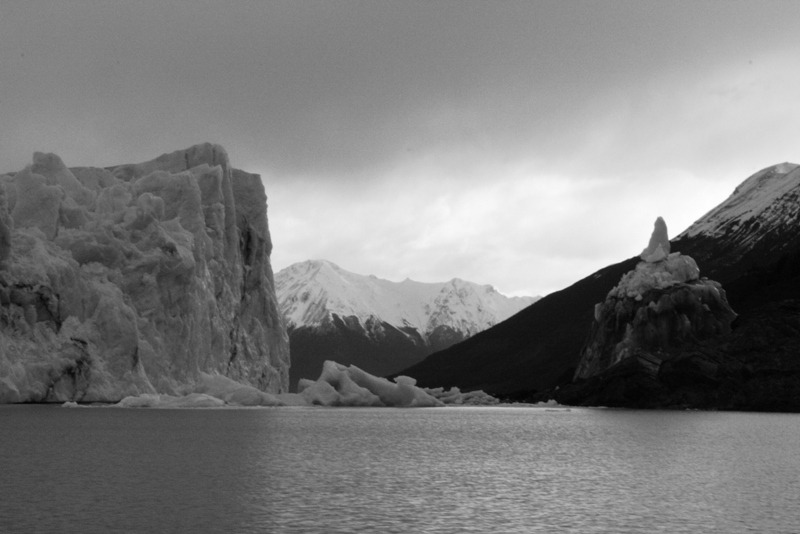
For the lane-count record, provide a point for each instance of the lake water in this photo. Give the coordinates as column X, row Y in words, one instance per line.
column 443, row 470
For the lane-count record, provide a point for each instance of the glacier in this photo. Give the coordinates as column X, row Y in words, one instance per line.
column 137, row 279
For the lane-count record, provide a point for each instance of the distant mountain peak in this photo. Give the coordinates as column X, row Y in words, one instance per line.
column 786, row 167
column 312, row 290
column 391, row 325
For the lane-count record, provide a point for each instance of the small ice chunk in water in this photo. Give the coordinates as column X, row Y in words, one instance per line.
column 193, row 400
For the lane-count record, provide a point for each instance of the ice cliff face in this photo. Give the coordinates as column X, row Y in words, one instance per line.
column 136, row 279
column 381, row 326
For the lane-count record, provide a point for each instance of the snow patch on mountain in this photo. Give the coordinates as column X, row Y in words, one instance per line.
column 311, row 291
column 768, row 198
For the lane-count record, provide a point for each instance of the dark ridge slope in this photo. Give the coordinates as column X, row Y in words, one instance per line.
column 532, row 350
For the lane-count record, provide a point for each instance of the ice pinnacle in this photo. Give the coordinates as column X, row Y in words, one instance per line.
column 658, row 248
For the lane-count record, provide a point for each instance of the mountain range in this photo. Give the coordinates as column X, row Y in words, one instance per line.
column 750, row 243
column 379, row 325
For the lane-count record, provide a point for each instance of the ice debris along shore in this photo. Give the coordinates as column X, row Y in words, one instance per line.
column 338, row 385
column 212, row 391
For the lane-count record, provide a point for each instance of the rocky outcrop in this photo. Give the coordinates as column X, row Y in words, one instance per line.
column 646, row 326
column 136, row 279
column 660, row 304
column 655, row 319
column 755, row 367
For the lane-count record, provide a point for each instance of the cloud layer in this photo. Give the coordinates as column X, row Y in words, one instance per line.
column 523, row 144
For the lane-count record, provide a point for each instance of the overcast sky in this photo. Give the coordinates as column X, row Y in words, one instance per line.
column 519, row 144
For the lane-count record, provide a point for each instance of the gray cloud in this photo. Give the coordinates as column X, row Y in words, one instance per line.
column 369, row 120
column 322, row 87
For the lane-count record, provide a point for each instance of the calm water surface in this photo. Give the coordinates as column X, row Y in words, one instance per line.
column 100, row 470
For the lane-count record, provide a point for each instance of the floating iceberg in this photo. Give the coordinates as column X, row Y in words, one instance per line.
column 339, row 385
column 453, row 396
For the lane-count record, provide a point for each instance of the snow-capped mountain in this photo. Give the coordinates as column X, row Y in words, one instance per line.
column 312, row 291
column 754, row 226
column 763, row 197
column 379, row 325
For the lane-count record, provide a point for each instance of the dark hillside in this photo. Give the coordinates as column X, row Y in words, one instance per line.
column 533, row 350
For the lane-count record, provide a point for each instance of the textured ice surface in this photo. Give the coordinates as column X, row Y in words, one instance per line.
column 658, row 248
column 233, row 392
column 339, row 385
column 675, row 269
column 211, row 390
column 193, row 400
column 136, row 279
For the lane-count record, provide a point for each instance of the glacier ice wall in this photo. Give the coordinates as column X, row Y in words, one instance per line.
column 136, row 279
